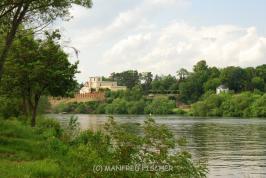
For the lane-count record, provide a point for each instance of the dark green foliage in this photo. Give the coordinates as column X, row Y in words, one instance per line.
column 10, row 106
column 128, row 78
column 234, row 77
column 38, row 68
column 212, row 84
column 162, row 84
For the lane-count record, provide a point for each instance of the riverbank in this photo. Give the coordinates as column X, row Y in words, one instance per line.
column 48, row 150
column 243, row 105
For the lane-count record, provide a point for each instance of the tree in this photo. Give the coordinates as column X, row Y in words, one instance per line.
column 257, row 83
column 193, row 87
column 212, row 84
column 261, row 71
column 200, row 66
column 38, row 67
column 32, row 13
column 234, row 77
column 128, row 78
column 182, row 74
column 146, row 78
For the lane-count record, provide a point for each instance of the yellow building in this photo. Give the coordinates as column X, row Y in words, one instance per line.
column 96, row 83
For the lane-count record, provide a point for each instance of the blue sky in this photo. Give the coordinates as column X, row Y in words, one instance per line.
column 214, row 12
column 162, row 36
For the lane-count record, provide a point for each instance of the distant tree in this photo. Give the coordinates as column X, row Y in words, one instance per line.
column 37, row 68
column 212, row 84
column 261, row 72
column 200, row 66
column 258, row 83
column 128, row 78
column 234, row 77
column 193, row 87
column 214, row 72
column 31, row 13
column 146, row 78
column 182, row 74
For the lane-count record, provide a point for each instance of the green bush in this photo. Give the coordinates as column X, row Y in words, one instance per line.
column 118, row 106
column 49, row 127
column 160, row 106
column 9, row 107
column 245, row 104
column 179, row 111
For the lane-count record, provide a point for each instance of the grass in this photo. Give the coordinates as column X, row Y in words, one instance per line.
column 24, row 152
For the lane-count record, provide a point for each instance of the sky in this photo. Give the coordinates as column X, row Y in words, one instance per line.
column 163, row 36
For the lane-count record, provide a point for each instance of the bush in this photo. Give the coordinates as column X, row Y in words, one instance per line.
column 49, row 127
column 179, row 111
column 160, row 106
column 245, row 104
column 118, row 106
column 9, row 107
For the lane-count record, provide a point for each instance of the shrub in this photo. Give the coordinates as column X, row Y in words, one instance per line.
column 49, row 127
column 160, row 106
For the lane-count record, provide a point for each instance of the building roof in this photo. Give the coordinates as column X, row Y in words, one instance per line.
column 222, row 87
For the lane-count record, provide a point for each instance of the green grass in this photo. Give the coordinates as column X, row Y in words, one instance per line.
column 24, row 151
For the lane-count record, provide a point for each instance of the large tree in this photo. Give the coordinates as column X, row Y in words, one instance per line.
column 128, row 78
column 234, row 77
column 36, row 68
column 32, row 14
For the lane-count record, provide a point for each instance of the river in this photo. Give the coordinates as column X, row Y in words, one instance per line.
column 231, row 147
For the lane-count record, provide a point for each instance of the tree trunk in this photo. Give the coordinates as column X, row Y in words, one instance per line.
column 34, row 110
column 18, row 17
column 8, row 44
column 25, row 106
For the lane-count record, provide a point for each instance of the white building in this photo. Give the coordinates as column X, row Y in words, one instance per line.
column 222, row 89
column 96, row 83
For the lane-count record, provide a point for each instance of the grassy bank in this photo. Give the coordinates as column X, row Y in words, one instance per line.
column 25, row 151
column 49, row 151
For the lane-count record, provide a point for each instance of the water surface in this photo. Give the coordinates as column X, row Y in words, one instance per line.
column 231, row 147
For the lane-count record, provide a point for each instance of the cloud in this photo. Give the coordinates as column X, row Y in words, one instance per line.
column 146, row 35
column 179, row 45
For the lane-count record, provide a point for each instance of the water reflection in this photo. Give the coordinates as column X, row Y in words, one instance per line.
column 231, row 147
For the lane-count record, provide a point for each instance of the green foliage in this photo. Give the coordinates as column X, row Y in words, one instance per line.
column 128, row 78
column 257, row 83
column 118, row 106
column 25, row 152
column 160, row 106
column 50, row 126
column 179, row 111
column 246, row 104
column 258, row 108
column 37, row 68
column 9, row 106
column 234, row 77
column 162, row 84
column 212, row 84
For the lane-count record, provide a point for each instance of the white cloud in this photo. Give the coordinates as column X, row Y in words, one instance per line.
column 180, row 45
column 139, row 38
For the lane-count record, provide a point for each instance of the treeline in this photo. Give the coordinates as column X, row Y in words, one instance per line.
column 204, row 79
column 192, row 85
column 186, row 87
column 122, row 102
